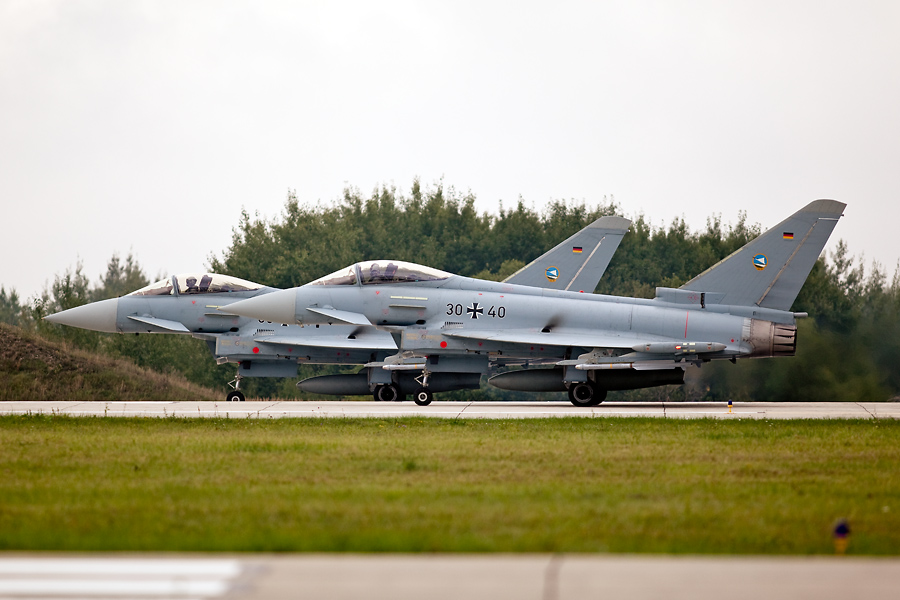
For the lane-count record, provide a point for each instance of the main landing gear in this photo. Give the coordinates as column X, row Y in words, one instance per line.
column 387, row 393
column 235, row 395
column 391, row 393
column 586, row 394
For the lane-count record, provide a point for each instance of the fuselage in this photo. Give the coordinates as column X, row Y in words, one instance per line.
column 455, row 314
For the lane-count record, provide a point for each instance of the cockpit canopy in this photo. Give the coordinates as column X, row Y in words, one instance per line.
column 382, row 272
column 197, row 283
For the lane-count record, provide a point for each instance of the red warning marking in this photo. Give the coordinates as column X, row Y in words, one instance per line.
column 255, row 350
column 686, row 317
column 443, row 344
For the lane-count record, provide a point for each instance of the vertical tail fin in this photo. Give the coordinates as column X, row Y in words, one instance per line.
column 770, row 270
column 578, row 263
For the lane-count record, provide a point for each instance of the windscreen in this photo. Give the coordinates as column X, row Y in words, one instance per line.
column 345, row 276
column 379, row 272
column 160, row 288
column 212, row 283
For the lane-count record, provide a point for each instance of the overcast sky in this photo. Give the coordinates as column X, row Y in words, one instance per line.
column 146, row 127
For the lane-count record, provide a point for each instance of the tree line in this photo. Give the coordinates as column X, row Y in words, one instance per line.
column 847, row 350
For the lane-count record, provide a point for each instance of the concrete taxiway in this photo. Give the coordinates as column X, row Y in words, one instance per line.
column 465, row 410
column 445, row 577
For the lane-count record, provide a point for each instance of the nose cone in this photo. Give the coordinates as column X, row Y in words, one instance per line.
column 97, row 316
column 278, row 307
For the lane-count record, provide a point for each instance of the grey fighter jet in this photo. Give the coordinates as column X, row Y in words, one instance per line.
column 739, row 308
column 196, row 304
column 191, row 303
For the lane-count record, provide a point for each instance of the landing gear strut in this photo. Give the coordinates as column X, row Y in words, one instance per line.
column 235, row 395
column 586, row 394
column 423, row 395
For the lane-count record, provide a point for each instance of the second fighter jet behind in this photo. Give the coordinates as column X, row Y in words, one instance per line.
column 739, row 308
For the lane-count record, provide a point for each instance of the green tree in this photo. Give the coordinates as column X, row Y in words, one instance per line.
column 10, row 307
column 121, row 277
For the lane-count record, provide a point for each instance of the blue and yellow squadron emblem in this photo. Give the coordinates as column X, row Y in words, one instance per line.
column 552, row 273
column 760, row 261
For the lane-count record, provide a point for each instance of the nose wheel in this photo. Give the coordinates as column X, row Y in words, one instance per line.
column 423, row 397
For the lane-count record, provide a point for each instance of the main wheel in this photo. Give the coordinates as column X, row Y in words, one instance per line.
column 234, row 396
column 387, row 393
column 585, row 394
column 423, row 397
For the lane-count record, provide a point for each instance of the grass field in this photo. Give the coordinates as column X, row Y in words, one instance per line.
column 573, row 485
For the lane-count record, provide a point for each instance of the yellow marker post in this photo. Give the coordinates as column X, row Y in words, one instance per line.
column 841, row 535
column 840, row 545
column 729, row 406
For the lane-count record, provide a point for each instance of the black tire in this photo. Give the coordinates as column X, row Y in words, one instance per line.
column 423, row 397
column 387, row 393
column 234, row 396
column 586, row 394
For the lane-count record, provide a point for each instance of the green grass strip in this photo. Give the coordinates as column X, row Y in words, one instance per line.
column 407, row 485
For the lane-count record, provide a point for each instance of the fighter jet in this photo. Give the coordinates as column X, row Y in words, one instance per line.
column 196, row 304
column 189, row 304
column 446, row 323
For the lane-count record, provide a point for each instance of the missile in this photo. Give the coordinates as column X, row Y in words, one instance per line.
column 679, row 347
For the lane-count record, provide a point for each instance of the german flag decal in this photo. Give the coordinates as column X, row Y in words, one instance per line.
column 576, row 249
column 788, row 235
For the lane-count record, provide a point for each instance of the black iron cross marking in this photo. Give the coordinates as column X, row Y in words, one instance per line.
column 475, row 310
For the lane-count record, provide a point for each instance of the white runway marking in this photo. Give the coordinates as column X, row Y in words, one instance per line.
column 113, row 579
column 112, row 566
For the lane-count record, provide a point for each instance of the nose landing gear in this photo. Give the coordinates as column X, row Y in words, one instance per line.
column 423, row 395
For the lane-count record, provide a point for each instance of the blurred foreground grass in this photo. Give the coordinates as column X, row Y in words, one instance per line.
column 573, row 485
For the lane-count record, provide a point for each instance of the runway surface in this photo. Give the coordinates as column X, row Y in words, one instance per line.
column 445, row 577
column 465, row 410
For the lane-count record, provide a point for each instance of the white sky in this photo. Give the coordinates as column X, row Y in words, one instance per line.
column 147, row 126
